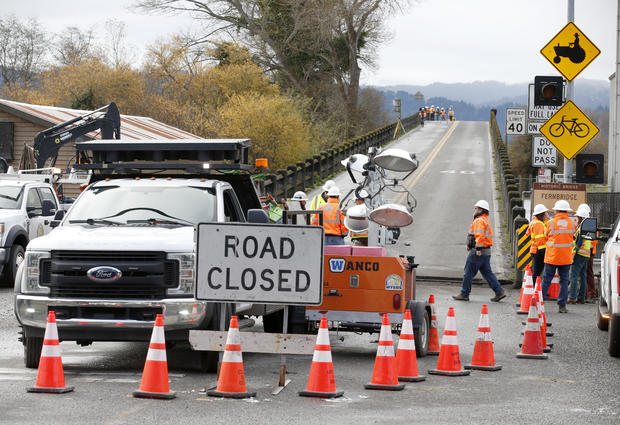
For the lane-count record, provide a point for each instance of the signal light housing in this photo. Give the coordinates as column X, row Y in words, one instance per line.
column 589, row 168
column 548, row 91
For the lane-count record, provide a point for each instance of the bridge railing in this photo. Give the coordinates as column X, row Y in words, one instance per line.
column 514, row 213
column 313, row 171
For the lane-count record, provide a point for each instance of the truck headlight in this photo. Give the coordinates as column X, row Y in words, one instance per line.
column 30, row 283
column 186, row 274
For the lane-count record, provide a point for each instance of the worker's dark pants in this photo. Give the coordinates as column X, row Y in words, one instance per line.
column 538, row 264
column 591, row 287
column 563, row 272
column 481, row 263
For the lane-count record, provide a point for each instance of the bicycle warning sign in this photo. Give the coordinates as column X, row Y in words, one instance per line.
column 570, row 51
column 569, row 129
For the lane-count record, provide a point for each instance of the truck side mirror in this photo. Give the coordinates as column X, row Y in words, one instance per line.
column 257, row 215
column 60, row 214
column 47, row 208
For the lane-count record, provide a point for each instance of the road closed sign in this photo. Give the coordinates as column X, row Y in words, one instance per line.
column 544, row 154
column 274, row 264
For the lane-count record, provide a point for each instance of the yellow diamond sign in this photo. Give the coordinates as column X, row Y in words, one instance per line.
column 569, row 129
column 570, row 51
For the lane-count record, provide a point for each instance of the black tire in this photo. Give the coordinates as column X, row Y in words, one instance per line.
column 603, row 322
column 421, row 335
column 209, row 359
column 32, row 351
column 16, row 257
column 613, row 344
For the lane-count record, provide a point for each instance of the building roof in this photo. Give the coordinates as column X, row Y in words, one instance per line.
column 132, row 127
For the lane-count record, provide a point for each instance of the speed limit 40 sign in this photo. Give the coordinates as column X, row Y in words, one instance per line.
column 515, row 121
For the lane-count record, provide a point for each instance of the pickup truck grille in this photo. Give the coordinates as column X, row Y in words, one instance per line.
column 145, row 275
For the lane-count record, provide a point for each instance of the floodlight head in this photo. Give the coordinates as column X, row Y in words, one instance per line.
column 394, row 159
column 391, row 215
column 356, row 162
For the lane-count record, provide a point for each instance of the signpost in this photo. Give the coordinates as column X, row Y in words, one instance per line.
column 515, row 121
column 544, row 154
column 570, row 51
column 569, row 130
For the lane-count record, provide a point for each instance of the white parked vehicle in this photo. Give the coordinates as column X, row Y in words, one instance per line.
column 28, row 203
column 609, row 291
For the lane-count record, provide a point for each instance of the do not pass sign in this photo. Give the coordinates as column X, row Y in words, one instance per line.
column 266, row 263
column 544, row 154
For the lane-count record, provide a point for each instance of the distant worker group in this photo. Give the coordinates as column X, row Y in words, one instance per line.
column 434, row 113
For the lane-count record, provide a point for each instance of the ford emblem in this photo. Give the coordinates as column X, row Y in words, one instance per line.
column 104, row 274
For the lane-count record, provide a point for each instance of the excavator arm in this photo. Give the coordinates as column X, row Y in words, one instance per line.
column 48, row 142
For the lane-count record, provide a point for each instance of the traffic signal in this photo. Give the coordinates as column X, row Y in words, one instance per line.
column 589, row 168
column 548, row 91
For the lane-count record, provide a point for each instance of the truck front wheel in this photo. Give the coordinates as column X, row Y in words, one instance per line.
column 15, row 259
column 613, row 345
column 32, row 351
column 209, row 359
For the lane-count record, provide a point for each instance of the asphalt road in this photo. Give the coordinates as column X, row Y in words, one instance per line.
column 577, row 384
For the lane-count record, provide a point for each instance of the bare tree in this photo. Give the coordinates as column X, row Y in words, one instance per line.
column 73, row 45
column 22, row 50
column 305, row 41
column 116, row 38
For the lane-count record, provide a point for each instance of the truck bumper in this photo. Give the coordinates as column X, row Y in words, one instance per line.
column 109, row 320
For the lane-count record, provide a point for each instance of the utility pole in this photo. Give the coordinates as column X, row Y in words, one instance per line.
column 568, row 164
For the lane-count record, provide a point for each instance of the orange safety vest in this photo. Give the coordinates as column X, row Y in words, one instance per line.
column 538, row 235
column 560, row 240
column 482, row 231
column 333, row 219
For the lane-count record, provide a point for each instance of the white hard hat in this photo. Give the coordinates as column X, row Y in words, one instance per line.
column 362, row 194
column 357, row 218
column 482, row 204
column 333, row 191
column 539, row 209
column 328, row 184
column 584, row 206
column 562, row 205
column 300, row 196
column 582, row 212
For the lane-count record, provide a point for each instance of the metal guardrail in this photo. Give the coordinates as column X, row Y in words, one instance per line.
column 313, row 171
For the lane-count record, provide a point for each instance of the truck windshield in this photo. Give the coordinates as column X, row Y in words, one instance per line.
column 184, row 205
column 11, row 197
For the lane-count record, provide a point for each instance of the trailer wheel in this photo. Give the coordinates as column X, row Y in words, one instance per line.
column 421, row 335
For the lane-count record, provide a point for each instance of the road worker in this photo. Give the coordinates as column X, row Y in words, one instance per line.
column 443, row 114
column 422, row 115
column 302, row 198
column 479, row 243
column 356, row 213
column 432, row 112
column 538, row 235
column 591, row 293
column 559, row 253
column 581, row 252
column 321, row 198
column 333, row 219
column 451, row 114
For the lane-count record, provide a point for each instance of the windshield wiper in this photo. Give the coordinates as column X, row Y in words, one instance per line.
column 93, row 221
column 155, row 221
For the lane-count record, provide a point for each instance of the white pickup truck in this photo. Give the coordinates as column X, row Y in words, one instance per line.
column 609, row 291
column 27, row 207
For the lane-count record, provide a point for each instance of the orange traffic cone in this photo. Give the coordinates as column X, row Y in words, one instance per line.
column 528, row 293
column 483, row 358
column 528, row 272
column 50, row 377
column 231, row 381
column 406, row 361
column 532, row 347
column 449, row 362
column 554, row 288
column 541, row 303
column 154, row 382
column 321, row 382
column 433, row 336
column 384, row 376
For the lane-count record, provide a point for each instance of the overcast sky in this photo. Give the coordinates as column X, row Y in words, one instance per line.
column 434, row 41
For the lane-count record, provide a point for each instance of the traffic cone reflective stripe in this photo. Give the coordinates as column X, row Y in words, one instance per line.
column 154, row 383
column 541, row 304
column 384, row 375
column 231, row 381
column 321, row 382
column 528, row 293
column 532, row 347
column 543, row 326
column 483, row 358
column 528, row 272
column 433, row 334
column 449, row 362
column 50, row 376
column 406, row 359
